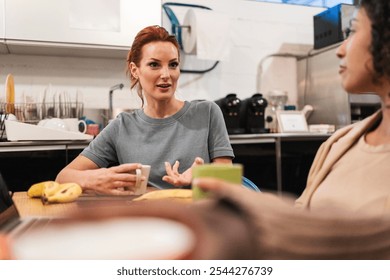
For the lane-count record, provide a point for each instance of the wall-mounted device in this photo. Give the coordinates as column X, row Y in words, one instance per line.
column 329, row 25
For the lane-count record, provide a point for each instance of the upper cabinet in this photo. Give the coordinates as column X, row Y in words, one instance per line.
column 2, row 28
column 89, row 27
column 3, row 47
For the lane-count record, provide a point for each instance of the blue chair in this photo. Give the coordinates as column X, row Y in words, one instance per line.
column 249, row 184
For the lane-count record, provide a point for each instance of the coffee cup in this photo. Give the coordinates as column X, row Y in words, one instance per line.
column 229, row 172
column 140, row 186
column 75, row 125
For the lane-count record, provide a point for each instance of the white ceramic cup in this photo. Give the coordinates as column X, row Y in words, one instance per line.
column 140, row 186
column 73, row 124
column 54, row 123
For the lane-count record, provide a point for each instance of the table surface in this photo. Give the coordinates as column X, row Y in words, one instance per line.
column 33, row 207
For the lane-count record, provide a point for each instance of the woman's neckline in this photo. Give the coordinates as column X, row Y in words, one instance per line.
column 162, row 115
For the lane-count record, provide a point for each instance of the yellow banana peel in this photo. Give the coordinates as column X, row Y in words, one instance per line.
column 184, row 195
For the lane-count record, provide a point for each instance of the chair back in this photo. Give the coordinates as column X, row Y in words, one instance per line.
column 249, row 184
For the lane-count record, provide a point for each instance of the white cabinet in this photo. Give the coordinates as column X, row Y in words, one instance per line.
column 3, row 47
column 76, row 25
column 2, row 28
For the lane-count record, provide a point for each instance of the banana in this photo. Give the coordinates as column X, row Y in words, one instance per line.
column 37, row 189
column 177, row 194
column 62, row 193
column 51, row 188
column 53, row 192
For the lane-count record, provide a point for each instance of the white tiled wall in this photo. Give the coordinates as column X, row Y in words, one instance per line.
column 91, row 77
column 258, row 29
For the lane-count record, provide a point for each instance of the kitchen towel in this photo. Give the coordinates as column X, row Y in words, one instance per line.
column 208, row 36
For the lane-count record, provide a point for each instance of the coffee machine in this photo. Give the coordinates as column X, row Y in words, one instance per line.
column 230, row 106
column 252, row 114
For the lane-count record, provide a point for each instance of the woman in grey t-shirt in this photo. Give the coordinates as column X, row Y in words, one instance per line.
column 169, row 134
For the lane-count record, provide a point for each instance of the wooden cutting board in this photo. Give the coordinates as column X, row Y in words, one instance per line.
column 10, row 94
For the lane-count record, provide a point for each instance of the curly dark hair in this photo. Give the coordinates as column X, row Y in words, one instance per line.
column 379, row 13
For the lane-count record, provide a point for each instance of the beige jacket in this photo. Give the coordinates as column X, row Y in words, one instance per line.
column 340, row 142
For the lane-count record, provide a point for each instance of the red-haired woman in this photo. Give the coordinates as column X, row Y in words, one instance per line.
column 167, row 133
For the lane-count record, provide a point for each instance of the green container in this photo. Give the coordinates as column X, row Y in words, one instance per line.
column 229, row 172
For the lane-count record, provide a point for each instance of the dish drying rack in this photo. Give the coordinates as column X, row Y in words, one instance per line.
column 32, row 113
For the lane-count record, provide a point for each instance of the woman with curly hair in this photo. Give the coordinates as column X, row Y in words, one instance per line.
column 344, row 210
column 351, row 169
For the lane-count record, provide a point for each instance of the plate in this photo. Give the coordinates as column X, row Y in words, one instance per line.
column 142, row 238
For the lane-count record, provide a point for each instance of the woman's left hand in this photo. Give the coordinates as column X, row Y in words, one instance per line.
column 173, row 176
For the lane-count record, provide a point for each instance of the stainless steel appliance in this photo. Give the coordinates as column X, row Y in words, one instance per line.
column 319, row 85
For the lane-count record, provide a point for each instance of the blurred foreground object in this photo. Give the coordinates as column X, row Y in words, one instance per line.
column 143, row 230
column 233, row 223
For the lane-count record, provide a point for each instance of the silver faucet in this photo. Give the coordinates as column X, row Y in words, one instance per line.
column 110, row 109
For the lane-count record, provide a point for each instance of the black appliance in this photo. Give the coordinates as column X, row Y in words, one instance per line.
column 252, row 114
column 230, row 106
column 330, row 24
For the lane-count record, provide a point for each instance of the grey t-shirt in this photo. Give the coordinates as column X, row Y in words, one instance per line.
column 197, row 130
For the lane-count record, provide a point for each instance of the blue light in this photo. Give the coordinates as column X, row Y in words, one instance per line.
column 317, row 3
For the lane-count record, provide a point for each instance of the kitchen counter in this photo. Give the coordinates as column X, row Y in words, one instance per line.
column 274, row 137
column 23, row 146
column 14, row 146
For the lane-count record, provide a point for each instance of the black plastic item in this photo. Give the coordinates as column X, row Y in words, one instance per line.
column 252, row 114
column 329, row 24
column 230, row 106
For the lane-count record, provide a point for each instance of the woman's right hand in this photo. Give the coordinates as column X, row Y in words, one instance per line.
column 116, row 180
